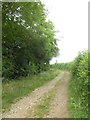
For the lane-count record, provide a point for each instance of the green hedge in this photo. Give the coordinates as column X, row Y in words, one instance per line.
column 79, row 86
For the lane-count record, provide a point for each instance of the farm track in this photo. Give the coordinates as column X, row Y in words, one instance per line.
column 58, row 106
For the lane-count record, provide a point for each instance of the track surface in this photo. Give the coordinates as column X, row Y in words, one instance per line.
column 58, row 108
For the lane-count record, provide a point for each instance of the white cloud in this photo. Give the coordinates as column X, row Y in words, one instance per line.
column 70, row 17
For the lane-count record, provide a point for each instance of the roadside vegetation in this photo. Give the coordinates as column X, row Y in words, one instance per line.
column 28, row 39
column 79, row 87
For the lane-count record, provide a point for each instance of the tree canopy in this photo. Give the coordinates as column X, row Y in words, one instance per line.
column 28, row 38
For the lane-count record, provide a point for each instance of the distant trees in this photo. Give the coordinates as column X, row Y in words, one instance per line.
column 28, row 39
column 63, row 66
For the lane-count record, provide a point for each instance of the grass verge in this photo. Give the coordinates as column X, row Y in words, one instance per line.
column 16, row 89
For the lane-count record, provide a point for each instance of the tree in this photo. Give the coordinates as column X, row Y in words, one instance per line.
column 28, row 39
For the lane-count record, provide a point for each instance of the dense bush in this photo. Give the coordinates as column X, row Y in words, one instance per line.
column 28, row 39
column 79, row 86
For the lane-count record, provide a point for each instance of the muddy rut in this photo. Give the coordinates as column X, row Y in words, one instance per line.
column 58, row 108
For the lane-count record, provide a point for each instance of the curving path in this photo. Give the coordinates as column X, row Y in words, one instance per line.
column 20, row 108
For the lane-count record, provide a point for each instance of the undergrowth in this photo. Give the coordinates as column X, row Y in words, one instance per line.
column 78, row 87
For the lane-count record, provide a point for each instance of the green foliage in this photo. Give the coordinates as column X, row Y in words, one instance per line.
column 89, row 64
column 79, row 86
column 28, row 39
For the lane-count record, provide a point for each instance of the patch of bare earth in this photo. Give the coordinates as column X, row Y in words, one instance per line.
column 20, row 108
column 59, row 107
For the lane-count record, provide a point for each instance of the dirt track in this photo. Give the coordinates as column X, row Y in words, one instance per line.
column 58, row 106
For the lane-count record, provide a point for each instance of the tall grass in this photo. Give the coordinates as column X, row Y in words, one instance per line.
column 76, row 109
column 16, row 89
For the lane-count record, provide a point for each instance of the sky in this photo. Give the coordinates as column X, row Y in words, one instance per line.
column 70, row 18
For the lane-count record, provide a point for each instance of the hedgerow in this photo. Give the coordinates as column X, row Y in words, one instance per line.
column 79, row 86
